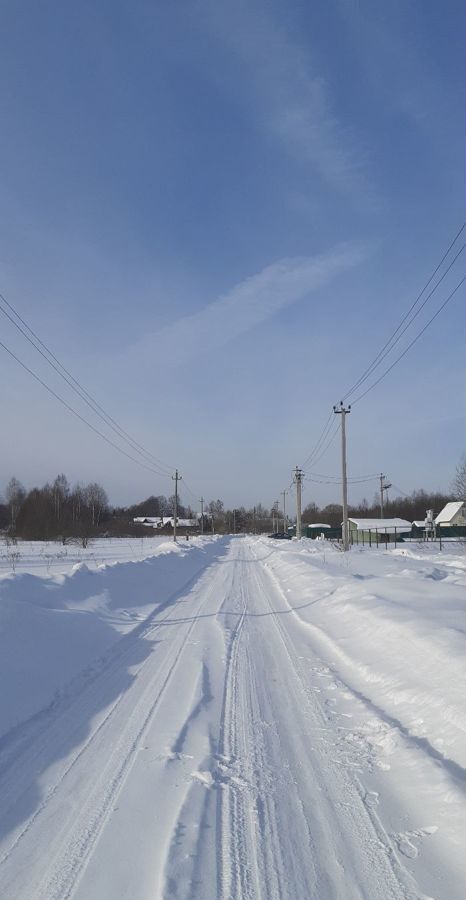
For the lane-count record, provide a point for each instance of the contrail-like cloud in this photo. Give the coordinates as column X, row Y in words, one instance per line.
column 246, row 306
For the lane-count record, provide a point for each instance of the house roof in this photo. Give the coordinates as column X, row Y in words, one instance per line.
column 318, row 525
column 151, row 520
column 449, row 511
column 382, row 525
column 160, row 521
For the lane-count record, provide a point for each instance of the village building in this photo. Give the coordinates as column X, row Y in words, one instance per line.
column 368, row 531
column 453, row 513
column 165, row 522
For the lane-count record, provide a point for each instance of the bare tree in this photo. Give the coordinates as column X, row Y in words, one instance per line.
column 61, row 490
column 96, row 501
column 458, row 485
column 15, row 494
column 77, row 501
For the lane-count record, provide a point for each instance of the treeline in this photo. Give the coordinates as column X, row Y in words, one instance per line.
column 59, row 511
column 412, row 508
column 54, row 511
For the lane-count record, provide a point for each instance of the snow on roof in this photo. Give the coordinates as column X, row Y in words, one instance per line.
column 449, row 511
column 160, row 521
column 419, row 523
column 183, row 523
column 384, row 525
column 150, row 519
column 318, row 525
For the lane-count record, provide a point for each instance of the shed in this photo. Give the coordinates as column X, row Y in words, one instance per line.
column 315, row 529
column 368, row 531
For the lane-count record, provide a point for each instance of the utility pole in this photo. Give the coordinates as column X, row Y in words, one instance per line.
column 298, row 476
column 342, row 411
column 254, row 519
column 384, row 486
column 275, row 513
column 283, row 493
column 201, row 501
column 234, row 521
column 176, row 478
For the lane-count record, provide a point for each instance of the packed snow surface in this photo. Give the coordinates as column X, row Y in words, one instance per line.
column 232, row 718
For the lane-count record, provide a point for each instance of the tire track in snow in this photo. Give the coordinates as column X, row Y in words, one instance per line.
column 232, row 872
column 394, row 880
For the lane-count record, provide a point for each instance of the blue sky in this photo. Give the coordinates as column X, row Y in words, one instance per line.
column 215, row 214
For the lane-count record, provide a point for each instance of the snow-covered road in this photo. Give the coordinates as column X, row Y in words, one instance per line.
column 210, row 753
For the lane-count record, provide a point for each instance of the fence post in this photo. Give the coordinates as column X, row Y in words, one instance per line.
column 370, row 537
column 377, row 537
column 395, row 537
column 440, row 535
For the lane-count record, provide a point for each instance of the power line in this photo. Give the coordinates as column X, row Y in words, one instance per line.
column 328, row 444
column 403, row 493
column 318, row 443
column 193, row 494
column 367, row 477
column 391, row 343
column 338, row 481
column 79, row 389
column 78, row 415
column 420, row 333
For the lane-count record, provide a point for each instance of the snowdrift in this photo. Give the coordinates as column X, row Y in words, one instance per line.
column 53, row 627
column 391, row 624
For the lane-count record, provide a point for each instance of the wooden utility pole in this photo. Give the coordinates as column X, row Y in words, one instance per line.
column 342, row 411
column 298, row 476
column 176, row 478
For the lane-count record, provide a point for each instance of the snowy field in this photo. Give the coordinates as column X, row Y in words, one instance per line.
column 46, row 557
column 232, row 718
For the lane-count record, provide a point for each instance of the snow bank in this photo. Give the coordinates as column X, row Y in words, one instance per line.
column 391, row 624
column 53, row 627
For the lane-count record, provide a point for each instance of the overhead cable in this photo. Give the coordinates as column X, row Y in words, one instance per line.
column 78, row 388
column 398, row 333
column 420, row 333
column 320, row 440
column 77, row 414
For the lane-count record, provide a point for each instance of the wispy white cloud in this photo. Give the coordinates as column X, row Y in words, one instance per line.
column 290, row 98
column 246, row 306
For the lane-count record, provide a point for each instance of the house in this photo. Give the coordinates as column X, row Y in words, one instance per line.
column 453, row 513
column 369, row 531
column 165, row 522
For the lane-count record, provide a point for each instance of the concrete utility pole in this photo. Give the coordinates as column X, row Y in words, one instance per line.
column 298, row 476
column 283, row 493
column 275, row 510
column 201, row 501
column 384, row 486
column 176, row 478
column 342, row 411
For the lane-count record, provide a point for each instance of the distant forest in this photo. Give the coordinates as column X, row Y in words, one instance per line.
column 58, row 511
